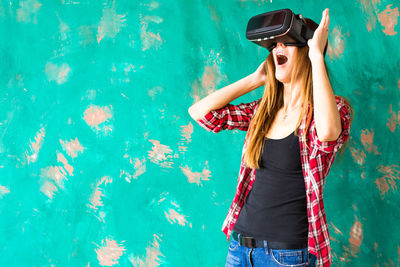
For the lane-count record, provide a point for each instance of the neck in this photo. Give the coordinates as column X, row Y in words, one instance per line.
column 291, row 96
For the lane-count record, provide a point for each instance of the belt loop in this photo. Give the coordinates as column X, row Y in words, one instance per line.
column 266, row 246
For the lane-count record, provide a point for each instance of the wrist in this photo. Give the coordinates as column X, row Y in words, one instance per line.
column 317, row 58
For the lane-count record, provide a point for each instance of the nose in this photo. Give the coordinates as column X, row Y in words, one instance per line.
column 280, row 44
column 277, row 44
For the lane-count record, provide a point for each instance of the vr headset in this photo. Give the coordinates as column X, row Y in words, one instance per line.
column 281, row 25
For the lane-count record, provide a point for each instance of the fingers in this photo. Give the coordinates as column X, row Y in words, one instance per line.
column 324, row 24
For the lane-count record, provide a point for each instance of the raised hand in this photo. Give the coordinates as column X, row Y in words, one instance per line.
column 318, row 41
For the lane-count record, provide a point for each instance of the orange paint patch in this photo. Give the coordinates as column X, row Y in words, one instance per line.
column 35, row 146
column 139, row 167
column 388, row 18
column 72, row 147
column 152, row 257
column 211, row 74
column 393, row 120
column 48, row 188
column 55, row 176
column 95, row 199
column 95, row 115
column 398, row 84
column 367, row 138
column 388, row 180
column 67, row 167
column 356, row 237
column 149, row 39
column 196, row 177
column 57, row 73
column 336, row 46
column 382, row 185
column 173, row 216
column 208, row 78
column 371, row 10
column 187, row 131
column 98, row 118
column 358, row 155
column 160, row 154
column 109, row 252
column 211, row 77
column 337, row 231
column 3, row 191
column 110, row 24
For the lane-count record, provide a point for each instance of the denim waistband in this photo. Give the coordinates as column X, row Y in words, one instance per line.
column 256, row 243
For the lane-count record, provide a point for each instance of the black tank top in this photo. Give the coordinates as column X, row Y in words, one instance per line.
column 275, row 209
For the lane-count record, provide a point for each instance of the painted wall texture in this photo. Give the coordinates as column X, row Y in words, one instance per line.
column 101, row 164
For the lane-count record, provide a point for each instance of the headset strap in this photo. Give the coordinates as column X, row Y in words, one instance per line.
column 306, row 32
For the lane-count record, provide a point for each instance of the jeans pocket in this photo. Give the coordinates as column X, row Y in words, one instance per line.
column 289, row 257
column 234, row 245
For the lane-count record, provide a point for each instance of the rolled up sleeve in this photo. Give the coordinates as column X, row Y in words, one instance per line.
column 229, row 117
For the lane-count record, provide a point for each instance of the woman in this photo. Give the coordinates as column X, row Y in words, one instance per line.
column 294, row 131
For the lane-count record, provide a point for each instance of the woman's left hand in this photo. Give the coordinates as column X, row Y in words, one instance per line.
column 318, row 41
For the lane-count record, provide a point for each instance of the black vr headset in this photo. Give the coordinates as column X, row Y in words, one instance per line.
column 281, row 25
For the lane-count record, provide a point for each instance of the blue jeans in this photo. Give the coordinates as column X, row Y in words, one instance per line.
column 239, row 255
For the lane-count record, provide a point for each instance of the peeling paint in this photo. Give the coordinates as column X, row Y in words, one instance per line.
column 3, row 191
column 160, row 154
column 72, row 147
column 388, row 180
column 337, row 45
column 109, row 252
column 388, row 18
column 196, row 177
column 152, row 257
column 356, row 237
column 110, row 24
column 367, row 138
column 35, row 145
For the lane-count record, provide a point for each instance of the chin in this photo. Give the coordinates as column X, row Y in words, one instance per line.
column 282, row 79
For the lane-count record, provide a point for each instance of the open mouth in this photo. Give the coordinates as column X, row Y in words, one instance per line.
column 281, row 59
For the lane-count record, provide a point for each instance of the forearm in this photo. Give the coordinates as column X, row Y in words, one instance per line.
column 223, row 96
column 326, row 114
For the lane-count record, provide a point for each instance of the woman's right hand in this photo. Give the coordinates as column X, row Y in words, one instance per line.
column 260, row 75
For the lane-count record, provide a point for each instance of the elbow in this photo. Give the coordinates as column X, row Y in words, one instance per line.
column 332, row 135
column 189, row 111
column 192, row 114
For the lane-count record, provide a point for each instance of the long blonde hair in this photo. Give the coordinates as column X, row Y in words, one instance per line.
column 272, row 101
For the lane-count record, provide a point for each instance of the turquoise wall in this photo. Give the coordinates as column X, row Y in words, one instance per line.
column 102, row 165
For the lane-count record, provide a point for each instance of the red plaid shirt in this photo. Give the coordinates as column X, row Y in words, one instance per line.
column 316, row 161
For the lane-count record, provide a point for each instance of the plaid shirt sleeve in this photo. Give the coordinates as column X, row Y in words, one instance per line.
column 334, row 145
column 229, row 117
